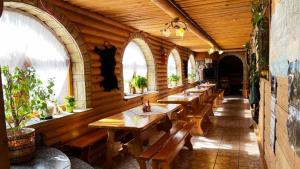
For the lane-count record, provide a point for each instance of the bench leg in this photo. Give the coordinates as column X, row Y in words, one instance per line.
column 188, row 143
column 142, row 164
column 211, row 112
column 165, row 165
column 197, row 129
column 155, row 165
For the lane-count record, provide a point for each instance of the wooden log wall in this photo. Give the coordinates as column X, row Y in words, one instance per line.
column 283, row 157
column 95, row 29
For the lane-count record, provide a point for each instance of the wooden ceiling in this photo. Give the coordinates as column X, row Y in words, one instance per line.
column 228, row 22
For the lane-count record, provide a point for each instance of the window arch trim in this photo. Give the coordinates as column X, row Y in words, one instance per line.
column 141, row 40
column 69, row 35
column 178, row 63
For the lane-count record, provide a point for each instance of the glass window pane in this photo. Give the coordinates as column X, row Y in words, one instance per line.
column 26, row 42
column 133, row 62
column 171, row 65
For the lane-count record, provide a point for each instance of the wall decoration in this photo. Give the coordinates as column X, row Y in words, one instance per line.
column 107, row 54
column 185, row 68
column 284, row 41
column 164, row 55
column 293, row 122
column 273, row 120
column 200, row 65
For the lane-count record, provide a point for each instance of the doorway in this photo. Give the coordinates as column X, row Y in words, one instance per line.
column 230, row 75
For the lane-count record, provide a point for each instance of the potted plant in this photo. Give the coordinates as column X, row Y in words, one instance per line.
column 191, row 76
column 140, row 83
column 174, row 79
column 23, row 94
column 69, row 103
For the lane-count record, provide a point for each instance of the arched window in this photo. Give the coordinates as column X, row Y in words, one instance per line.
column 191, row 69
column 134, row 63
column 27, row 42
column 174, row 68
column 171, row 65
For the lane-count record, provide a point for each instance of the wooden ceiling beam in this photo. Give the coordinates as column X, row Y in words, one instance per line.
column 175, row 11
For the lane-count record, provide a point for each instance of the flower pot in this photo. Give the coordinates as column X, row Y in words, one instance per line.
column 69, row 109
column 21, row 145
column 174, row 83
column 139, row 90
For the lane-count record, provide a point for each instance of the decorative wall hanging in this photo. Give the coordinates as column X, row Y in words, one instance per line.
column 107, row 54
column 293, row 122
column 273, row 120
column 1, row 8
column 179, row 26
column 185, row 68
column 164, row 55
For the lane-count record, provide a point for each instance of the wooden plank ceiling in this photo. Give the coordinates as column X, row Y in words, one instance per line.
column 226, row 21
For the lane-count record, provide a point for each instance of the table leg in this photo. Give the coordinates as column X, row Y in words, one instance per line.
column 110, row 148
column 137, row 147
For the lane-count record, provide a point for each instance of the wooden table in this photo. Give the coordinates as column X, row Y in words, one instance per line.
column 189, row 102
column 211, row 87
column 135, row 122
column 179, row 98
column 203, row 91
column 197, row 90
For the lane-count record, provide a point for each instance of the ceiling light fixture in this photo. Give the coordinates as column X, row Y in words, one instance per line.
column 179, row 26
column 214, row 49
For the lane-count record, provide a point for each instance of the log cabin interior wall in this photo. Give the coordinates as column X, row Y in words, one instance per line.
column 94, row 29
column 283, row 157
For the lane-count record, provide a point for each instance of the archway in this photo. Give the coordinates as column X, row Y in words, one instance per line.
column 230, row 74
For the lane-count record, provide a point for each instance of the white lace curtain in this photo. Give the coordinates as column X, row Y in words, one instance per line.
column 27, row 42
column 133, row 62
column 172, row 68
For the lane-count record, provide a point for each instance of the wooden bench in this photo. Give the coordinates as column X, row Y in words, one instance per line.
column 169, row 151
column 160, row 143
column 221, row 94
column 201, row 119
column 85, row 143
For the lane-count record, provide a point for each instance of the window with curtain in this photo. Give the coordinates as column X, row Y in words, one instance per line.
column 27, row 42
column 171, row 65
column 172, row 68
column 134, row 62
column 191, row 69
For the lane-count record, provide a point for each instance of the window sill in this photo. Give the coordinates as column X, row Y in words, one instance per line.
column 134, row 96
column 36, row 121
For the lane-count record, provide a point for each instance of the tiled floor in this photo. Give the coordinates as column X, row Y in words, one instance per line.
column 229, row 144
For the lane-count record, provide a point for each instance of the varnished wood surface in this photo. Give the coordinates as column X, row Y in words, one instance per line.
column 132, row 120
column 4, row 158
column 196, row 90
column 179, row 98
column 94, row 29
column 207, row 85
column 228, row 22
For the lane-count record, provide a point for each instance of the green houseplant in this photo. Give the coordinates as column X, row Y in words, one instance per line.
column 174, row 79
column 191, row 76
column 69, row 103
column 140, row 83
column 24, row 94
